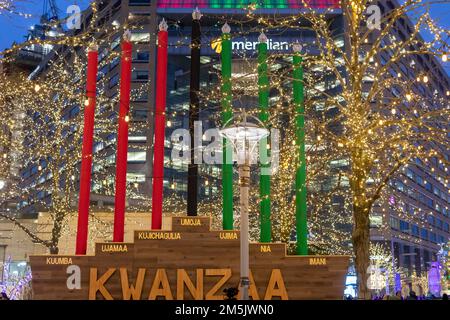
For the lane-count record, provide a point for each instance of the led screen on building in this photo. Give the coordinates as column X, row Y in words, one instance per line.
column 261, row 4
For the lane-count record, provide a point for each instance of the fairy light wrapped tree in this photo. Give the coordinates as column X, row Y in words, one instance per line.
column 361, row 134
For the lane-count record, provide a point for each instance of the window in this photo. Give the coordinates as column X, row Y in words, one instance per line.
column 394, row 223
column 419, row 180
column 115, row 43
column 137, row 156
column 103, row 54
column 114, row 80
column 111, row 159
column 139, row 2
column 139, row 115
column 140, row 37
column 137, row 139
column 111, row 138
column 436, row 191
column 424, row 233
column 404, row 226
column 339, row 163
column 415, row 230
column 410, row 174
column 375, row 221
column 138, row 96
column 139, row 75
column 141, row 56
column 433, row 237
column 114, row 63
column 99, row 146
column 135, row 177
column 400, row 186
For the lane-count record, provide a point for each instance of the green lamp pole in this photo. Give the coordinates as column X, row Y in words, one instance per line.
column 300, row 177
column 264, row 183
column 227, row 166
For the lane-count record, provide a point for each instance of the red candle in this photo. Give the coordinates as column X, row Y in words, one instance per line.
column 122, row 138
column 160, row 126
column 86, row 155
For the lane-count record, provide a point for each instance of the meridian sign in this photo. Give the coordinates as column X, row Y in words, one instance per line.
column 248, row 45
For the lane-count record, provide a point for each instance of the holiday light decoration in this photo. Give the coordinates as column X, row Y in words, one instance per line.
column 358, row 138
column 34, row 131
column 384, row 269
column 15, row 286
column 382, row 121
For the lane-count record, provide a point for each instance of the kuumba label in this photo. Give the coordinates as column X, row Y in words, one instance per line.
column 58, row 260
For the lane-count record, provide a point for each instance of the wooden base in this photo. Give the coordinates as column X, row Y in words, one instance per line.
column 188, row 262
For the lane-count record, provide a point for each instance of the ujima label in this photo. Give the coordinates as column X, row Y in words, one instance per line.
column 146, row 235
column 228, row 235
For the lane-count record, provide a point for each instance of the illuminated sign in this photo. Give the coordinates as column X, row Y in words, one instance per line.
column 258, row 4
column 216, row 45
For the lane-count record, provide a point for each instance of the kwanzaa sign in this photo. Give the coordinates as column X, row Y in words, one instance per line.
column 187, row 262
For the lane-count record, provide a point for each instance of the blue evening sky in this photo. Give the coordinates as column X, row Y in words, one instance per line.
column 15, row 28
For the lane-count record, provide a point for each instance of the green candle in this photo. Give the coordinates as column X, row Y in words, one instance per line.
column 227, row 166
column 300, row 177
column 264, row 184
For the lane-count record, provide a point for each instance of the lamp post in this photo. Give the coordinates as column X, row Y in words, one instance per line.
column 244, row 136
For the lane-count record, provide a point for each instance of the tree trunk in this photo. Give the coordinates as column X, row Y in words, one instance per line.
column 361, row 246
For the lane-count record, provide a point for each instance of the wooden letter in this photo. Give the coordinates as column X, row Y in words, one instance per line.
column 132, row 291
column 276, row 279
column 226, row 275
column 98, row 285
column 183, row 279
column 160, row 279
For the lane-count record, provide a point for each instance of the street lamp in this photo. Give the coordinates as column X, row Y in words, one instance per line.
column 244, row 133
